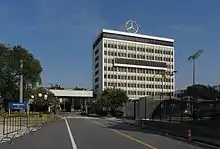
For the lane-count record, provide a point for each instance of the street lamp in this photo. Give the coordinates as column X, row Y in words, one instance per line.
column 40, row 95
column 171, row 74
column 193, row 58
column 145, row 107
column 45, row 97
column 163, row 74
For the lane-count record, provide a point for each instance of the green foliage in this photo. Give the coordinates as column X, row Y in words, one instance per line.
column 50, row 100
column 202, row 91
column 10, row 58
column 111, row 100
column 56, row 86
column 78, row 88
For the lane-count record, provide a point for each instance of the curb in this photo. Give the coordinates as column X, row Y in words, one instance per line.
column 177, row 136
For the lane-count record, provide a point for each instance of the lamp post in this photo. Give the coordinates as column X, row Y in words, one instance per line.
column 44, row 96
column 171, row 74
column 170, row 106
column 145, row 108
column 31, row 102
column 154, row 77
column 193, row 58
column 163, row 74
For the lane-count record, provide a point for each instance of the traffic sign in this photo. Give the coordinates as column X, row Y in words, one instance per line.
column 17, row 106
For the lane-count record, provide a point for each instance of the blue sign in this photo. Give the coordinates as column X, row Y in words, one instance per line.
column 17, row 106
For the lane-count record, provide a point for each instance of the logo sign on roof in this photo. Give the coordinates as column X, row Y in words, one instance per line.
column 131, row 26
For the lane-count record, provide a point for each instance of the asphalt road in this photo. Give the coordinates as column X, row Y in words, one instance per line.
column 95, row 134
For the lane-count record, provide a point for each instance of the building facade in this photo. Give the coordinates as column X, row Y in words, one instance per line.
column 133, row 62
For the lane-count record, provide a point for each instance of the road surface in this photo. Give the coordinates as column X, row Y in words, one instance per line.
column 94, row 133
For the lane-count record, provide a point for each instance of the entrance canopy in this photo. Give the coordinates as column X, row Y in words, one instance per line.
column 72, row 93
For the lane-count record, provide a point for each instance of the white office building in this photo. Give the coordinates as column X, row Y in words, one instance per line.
column 133, row 62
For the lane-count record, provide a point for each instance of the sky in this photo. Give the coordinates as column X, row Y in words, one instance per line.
column 60, row 33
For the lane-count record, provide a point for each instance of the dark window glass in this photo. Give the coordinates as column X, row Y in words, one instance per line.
column 140, row 62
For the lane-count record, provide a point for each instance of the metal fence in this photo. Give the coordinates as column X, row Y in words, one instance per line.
column 11, row 124
column 20, row 124
column 166, row 109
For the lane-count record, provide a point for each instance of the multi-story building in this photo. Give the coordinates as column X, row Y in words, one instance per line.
column 133, row 62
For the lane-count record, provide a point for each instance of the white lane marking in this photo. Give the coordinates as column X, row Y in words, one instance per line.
column 61, row 117
column 78, row 117
column 99, row 124
column 70, row 135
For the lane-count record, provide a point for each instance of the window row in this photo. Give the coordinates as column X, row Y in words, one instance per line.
column 145, row 93
column 134, row 70
column 139, row 56
column 156, row 86
column 140, row 49
column 139, row 78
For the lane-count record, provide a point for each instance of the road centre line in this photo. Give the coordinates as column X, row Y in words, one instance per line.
column 127, row 136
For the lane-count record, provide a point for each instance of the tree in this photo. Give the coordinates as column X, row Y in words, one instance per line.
column 56, row 86
column 202, row 91
column 112, row 99
column 10, row 57
column 78, row 88
column 46, row 99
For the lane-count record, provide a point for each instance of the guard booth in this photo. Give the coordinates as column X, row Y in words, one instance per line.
column 73, row 99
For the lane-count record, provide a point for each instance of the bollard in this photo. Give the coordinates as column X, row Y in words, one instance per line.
column 142, row 123
column 189, row 135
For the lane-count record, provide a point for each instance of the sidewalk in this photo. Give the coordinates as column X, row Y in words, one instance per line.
column 4, row 138
column 54, row 135
column 196, row 138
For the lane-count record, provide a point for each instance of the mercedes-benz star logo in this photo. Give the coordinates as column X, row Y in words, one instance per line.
column 131, row 26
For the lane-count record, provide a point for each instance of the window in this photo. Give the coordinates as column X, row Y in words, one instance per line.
column 97, row 79
column 96, row 86
column 97, row 65
column 97, row 51
column 96, row 59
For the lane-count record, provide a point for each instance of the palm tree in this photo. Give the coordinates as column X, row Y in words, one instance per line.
column 193, row 58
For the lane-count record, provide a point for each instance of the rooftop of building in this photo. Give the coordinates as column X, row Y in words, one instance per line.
column 133, row 35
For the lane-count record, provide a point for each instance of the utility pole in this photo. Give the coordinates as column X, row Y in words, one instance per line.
column 21, row 82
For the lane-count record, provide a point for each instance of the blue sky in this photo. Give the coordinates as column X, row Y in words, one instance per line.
column 60, row 33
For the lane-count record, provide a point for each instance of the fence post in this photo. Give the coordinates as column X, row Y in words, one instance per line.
column 20, row 122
